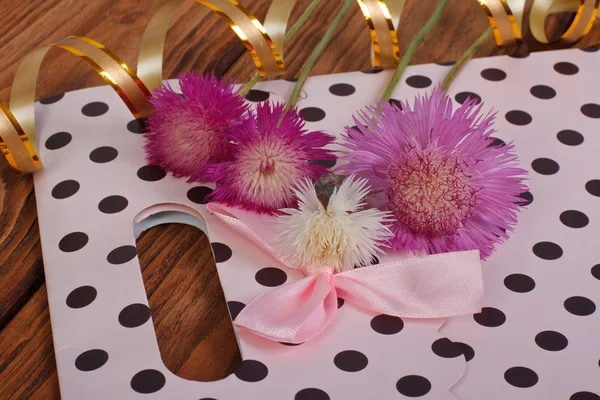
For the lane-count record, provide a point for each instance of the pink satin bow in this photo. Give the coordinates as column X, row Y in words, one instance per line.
column 436, row 286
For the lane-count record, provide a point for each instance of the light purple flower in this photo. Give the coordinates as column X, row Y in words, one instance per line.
column 187, row 132
column 269, row 160
column 435, row 170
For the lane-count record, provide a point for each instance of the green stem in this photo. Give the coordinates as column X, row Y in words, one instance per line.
column 316, row 54
column 387, row 94
column 301, row 20
column 464, row 58
column 288, row 36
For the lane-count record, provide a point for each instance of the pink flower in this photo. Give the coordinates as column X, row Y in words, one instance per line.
column 269, row 160
column 435, row 170
column 187, row 132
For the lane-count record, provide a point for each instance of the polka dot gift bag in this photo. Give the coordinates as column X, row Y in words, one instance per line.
column 381, row 301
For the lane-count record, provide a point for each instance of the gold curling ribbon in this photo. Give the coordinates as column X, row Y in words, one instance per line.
column 586, row 12
column 506, row 19
column 18, row 140
column 265, row 48
column 506, row 24
column 383, row 19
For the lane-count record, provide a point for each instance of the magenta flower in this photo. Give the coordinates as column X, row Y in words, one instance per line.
column 269, row 161
column 187, row 132
column 435, row 170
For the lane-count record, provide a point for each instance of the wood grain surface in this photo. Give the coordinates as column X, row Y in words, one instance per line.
column 186, row 300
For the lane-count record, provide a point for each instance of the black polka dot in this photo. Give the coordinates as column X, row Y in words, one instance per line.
column 547, row 250
column 271, row 277
column 134, row 315
column 463, row 96
column 257, row 95
column 312, row 114
column 593, row 187
column 151, row 173
column 496, row 142
column 467, row 350
column 198, row 194
column 235, row 307
column 584, row 396
column 137, row 125
column 290, row 79
column 73, row 242
column 148, row 381
column 542, row 92
column 94, row 109
column 393, row 102
column 65, row 189
column 413, row 386
column 113, row 204
column 518, row 55
column 372, row 71
column 574, row 219
column 91, row 360
column 566, row 68
column 52, row 99
column 521, row 377
column 122, row 254
column 342, row 89
column 445, row 348
column 493, row 74
column 350, row 361
column 251, row 371
column 591, row 49
column 387, row 324
column 596, row 271
column 591, row 110
column 81, row 297
column 418, row 81
column 446, row 63
column 221, row 251
column 519, row 283
column 311, row 394
column 527, row 199
column 570, row 137
column 579, row 305
column 545, row 166
column 103, row 154
column 490, row 317
column 551, row 340
column 290, row 344
column 325, row 163
column 517, row 117
column 340, row 302
column 58, row 140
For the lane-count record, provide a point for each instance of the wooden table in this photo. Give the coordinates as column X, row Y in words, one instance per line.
column 186, row 300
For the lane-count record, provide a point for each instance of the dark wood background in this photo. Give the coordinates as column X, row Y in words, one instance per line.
column 187, row 304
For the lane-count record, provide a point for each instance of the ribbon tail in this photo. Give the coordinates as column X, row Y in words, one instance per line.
column 436, row 286
column 293, row 312
column 257, row 228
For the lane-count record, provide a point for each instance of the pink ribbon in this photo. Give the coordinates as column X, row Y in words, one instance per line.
column 435, row 286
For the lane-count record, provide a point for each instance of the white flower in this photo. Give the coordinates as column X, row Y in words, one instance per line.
column 341, row 236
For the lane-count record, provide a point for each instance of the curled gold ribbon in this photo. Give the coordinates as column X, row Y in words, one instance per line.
column 265, row 48
column 383, row 19
column 586, row 12
column 18, row 140
column 505, row 23
column 506, row 19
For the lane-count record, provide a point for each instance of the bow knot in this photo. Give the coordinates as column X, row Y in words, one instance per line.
column 435, row 286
